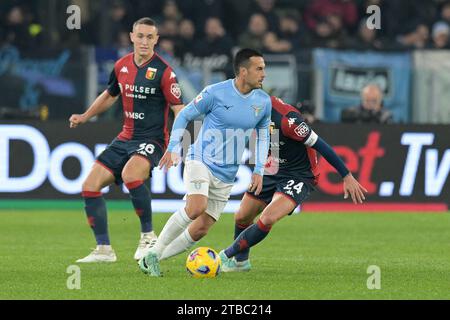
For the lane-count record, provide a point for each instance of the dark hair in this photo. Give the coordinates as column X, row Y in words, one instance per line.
column 146, row 20
column 242, row 58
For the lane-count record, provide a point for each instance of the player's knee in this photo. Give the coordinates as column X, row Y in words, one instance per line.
column 89, row 185
column 241, row 219
column 128, row 177
column 194, row 210
column 268, row 220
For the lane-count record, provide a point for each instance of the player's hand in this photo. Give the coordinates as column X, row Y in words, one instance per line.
column 77, row 119
column 256, row 184
column 168, row 160
column 352, row 187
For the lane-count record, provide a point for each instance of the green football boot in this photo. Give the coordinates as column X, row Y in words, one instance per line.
column 150, row 265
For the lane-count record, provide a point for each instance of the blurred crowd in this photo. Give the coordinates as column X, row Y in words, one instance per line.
column 214, row 27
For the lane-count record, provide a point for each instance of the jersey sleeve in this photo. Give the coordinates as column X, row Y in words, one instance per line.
column 262, row 141
column 170, row 87
column 113, row 84
column 295, row 127
column 204, row 101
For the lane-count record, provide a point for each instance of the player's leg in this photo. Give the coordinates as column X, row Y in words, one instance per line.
column 95, row 208
column 196, row 230
column 173, row 230
column 196, row 180
column 279, row 207
column 288, row 195
column 195, row 205
column 135, row 172
column 201, row 225
column 249, row 209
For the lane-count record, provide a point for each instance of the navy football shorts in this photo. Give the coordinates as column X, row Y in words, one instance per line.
column 294, row 189
column 118, row 152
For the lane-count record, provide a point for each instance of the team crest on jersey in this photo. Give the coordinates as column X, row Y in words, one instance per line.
column 302, row 130
column 257, row 110
column 151, row 73
column 175, row 90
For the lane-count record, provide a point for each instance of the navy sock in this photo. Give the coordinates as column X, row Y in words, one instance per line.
column 95, row 208
column 248, row 238
column 238, row 229
column 140, row 196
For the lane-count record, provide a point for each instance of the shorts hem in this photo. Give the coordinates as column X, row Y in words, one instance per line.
column 142, row 156
column 106, row 167
column 256, row 198
column 288, row 197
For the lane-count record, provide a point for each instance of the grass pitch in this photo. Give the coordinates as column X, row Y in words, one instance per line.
column 306, row 256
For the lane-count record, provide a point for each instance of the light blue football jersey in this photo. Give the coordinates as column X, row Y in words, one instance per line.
column 230, row 118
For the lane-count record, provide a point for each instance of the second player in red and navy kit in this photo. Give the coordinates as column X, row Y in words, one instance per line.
column 290, row 176
column 148, row 88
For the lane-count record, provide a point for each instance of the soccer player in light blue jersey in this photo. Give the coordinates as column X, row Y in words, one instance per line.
column 232, row 110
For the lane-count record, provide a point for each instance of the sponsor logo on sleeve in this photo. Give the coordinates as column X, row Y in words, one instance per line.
column 198, row 98
column 175, row 90
column 302, row 130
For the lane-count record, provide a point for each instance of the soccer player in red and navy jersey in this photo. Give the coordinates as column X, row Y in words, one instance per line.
column 148, row 87
column 290, row 176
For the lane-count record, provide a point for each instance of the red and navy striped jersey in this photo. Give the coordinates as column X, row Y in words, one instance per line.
column 147, row 92
column 290, row 144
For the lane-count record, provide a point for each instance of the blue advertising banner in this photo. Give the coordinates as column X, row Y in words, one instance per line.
column 55, row 78
column 344, row 73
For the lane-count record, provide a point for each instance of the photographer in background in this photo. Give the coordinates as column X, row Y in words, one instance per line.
column 370, row 110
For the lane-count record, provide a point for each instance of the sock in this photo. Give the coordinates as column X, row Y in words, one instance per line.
column 177, row 223
column 182, row 243
column 242, row 255
column 95, row 208
column 248, row 238
column 141, row 198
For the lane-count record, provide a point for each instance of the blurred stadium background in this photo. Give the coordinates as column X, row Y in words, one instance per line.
column 319, row 55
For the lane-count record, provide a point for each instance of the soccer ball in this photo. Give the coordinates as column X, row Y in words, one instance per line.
column 203, row 262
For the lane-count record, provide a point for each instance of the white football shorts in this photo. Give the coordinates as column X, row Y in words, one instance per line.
column 199, row 180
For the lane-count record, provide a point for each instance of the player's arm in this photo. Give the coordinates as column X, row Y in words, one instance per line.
column 176, row 109
column 261, row 151
column 299, row 130
column 172, row 91
column 351, row 185
column 102, row 103
column 200, row 105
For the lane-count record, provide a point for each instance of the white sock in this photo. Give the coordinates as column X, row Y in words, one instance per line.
column 105, row 247
column 151, row 233
column 182, row 243
column 177, row 223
